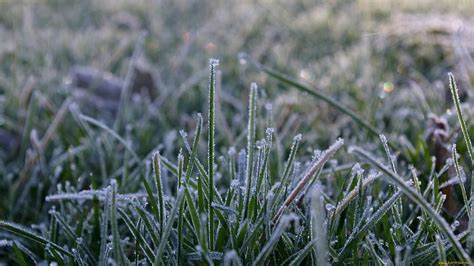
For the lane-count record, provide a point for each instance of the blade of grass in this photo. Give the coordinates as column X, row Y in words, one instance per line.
column 119, row 255
column 103, row 257
column 192, row 157
column 159, row 188
column 213, row 63
column 289, row 166
column 152, row 201
column 181, row 213
column 319, row 227
column 112, row 133
column 457, row 103
column 150, row 225
column 19, row 255
column 193, row 211
column 397, row 209
column 250, row 146
column 461, row 182
column 27, row 234
column 264, row 168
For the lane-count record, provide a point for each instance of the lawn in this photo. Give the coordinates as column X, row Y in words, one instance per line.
column 244, row 132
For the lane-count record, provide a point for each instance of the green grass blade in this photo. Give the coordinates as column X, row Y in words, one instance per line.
column 181, row 208
column 20, row 251
column 319, row 227
column 180, row 179
column 152, row 201
column 118, row 253
column 461, row 182
column 457, row 103
column 150, row 225
column 288, row 167
column 159, row 188
column 264, row 167
column 103, row 255
column 27, row 234
column 193, row 211
column 112, row 133
column 213, row 63
column 19, row 255
column 192, row 157
column 251, row 128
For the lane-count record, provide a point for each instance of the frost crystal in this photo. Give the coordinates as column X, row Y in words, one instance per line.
column 269, row 130
column 330, row 207
column 297, row 137
column 232, row 151
column 260, row 144
column 4, row 243
column 213, row 62
column 183, row 134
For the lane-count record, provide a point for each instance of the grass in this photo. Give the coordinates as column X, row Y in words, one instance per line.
column 310, row 151
column 238, row 218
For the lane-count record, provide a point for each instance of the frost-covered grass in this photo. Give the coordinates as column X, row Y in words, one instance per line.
column 316, row 145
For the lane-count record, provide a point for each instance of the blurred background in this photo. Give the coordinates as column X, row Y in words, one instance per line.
column 386, row 60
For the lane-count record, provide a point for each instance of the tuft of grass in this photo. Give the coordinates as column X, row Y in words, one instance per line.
column 419, row 200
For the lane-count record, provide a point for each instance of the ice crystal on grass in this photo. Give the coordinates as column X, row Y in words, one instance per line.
column 4, row 243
